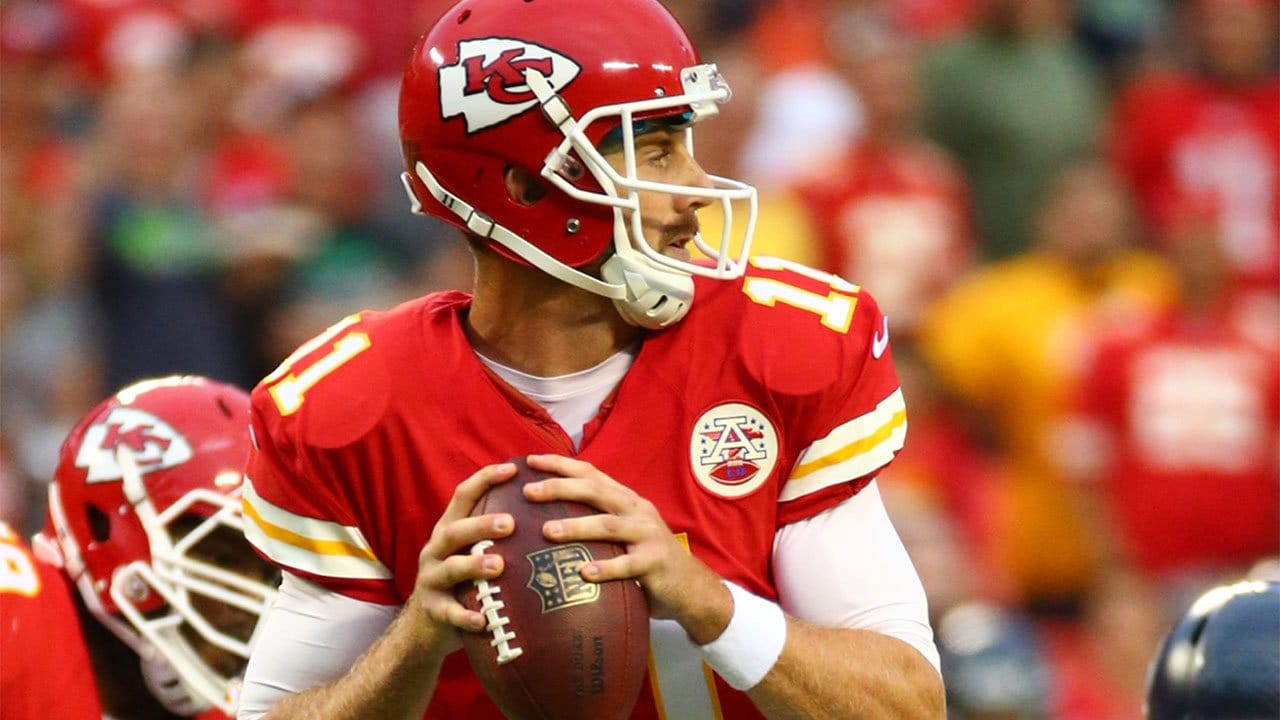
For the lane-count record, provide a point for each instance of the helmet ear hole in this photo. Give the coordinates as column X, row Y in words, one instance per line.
column 523, row 186
column 99, row 523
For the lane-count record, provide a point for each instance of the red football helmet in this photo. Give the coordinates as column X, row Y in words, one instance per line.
column 500, row 84
column 145, row 518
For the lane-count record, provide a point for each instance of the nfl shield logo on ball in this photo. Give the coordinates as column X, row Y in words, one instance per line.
column 556, row 579
column 733, row 449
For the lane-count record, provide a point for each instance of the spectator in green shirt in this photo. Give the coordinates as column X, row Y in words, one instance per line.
column 1014, row 100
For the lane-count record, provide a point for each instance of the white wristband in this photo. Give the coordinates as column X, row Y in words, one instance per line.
column 751, row 643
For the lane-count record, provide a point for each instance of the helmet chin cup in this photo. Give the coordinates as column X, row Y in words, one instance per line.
column 167, row 686
column 656, row 297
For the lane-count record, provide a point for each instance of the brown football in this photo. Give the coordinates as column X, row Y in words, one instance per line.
column 556, row 647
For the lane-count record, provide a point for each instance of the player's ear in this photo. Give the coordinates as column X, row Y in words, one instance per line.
column 523, row 186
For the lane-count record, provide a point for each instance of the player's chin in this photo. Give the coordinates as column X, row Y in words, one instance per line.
column 677, row 252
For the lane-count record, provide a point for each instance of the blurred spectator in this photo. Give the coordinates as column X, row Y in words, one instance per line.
column 806, row 114
column 347, row 261
column 384, row 31
column 893, row 211
column 1007, row 343
column 48, row 356
column 1184, row 423
column 995, row 664
column 109, row 39
column 159, row 265
column 1123, row 35
column 1211, row 133
column 941, row 493
column 1013, row 101
column 783, row 226
column 1100, row 662
column 933, row 20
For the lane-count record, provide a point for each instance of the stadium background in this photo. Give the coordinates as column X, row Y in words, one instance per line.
column 1068, row 209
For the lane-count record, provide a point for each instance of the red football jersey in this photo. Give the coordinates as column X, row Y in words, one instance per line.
column 898, row 214
column 44, row 665
column 1192, row 410
column 774, row 399
column 1180, row 139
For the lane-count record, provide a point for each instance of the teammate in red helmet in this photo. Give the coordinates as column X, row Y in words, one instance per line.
column 145, row 521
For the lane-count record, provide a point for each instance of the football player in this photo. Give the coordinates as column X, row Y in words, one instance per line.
column 730, row 441
column 145, row 520
column 1222, row 660
column 44, row 667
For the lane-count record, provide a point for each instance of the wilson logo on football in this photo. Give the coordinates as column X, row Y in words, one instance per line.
column 154, row 444
column 487, row 85
column 733, row 449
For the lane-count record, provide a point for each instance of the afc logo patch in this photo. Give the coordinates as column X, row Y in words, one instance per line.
column 733, row 449
column 487, row 85
column 556, row 580
column 154, row 444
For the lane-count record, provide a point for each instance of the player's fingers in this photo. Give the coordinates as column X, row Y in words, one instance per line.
column 468, row 492
column 451, row 571
column 563, row 466
column 448, row 538
column 447, row 610
column 599, row 492
column 465, row 619
column 618, row 568
column 612, row 528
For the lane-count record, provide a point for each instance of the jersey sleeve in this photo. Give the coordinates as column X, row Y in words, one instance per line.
column 45, row 672
column 302, row 501
column 832, row 379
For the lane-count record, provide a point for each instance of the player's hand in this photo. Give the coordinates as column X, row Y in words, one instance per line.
column 445, row 560
column 677, row 585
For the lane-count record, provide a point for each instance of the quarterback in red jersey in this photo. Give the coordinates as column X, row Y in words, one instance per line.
column 731, row 444
column 45, row 668
column 144, row 519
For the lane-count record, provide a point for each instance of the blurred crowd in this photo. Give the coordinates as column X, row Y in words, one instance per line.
column 1069, row 210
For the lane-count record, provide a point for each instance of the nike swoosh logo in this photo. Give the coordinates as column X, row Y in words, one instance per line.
column 881, row 340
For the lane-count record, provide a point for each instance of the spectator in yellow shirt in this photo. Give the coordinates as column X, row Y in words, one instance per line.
column 1007, row 342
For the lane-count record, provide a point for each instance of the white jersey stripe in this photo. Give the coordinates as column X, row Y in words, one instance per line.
column 836, row 445
column 858, row 466
column 296, row 558
column 308, row 544
column 851, row 450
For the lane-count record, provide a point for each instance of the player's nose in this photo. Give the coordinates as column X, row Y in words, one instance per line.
column 693, row 176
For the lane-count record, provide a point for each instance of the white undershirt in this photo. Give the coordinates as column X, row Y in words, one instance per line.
column 571, row 400
column 844, row 567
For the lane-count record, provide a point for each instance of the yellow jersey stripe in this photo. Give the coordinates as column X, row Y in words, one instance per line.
column 853, row 449
column 320, row 547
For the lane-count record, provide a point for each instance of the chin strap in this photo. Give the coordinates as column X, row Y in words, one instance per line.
column 656, row 297
column 482, row 225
